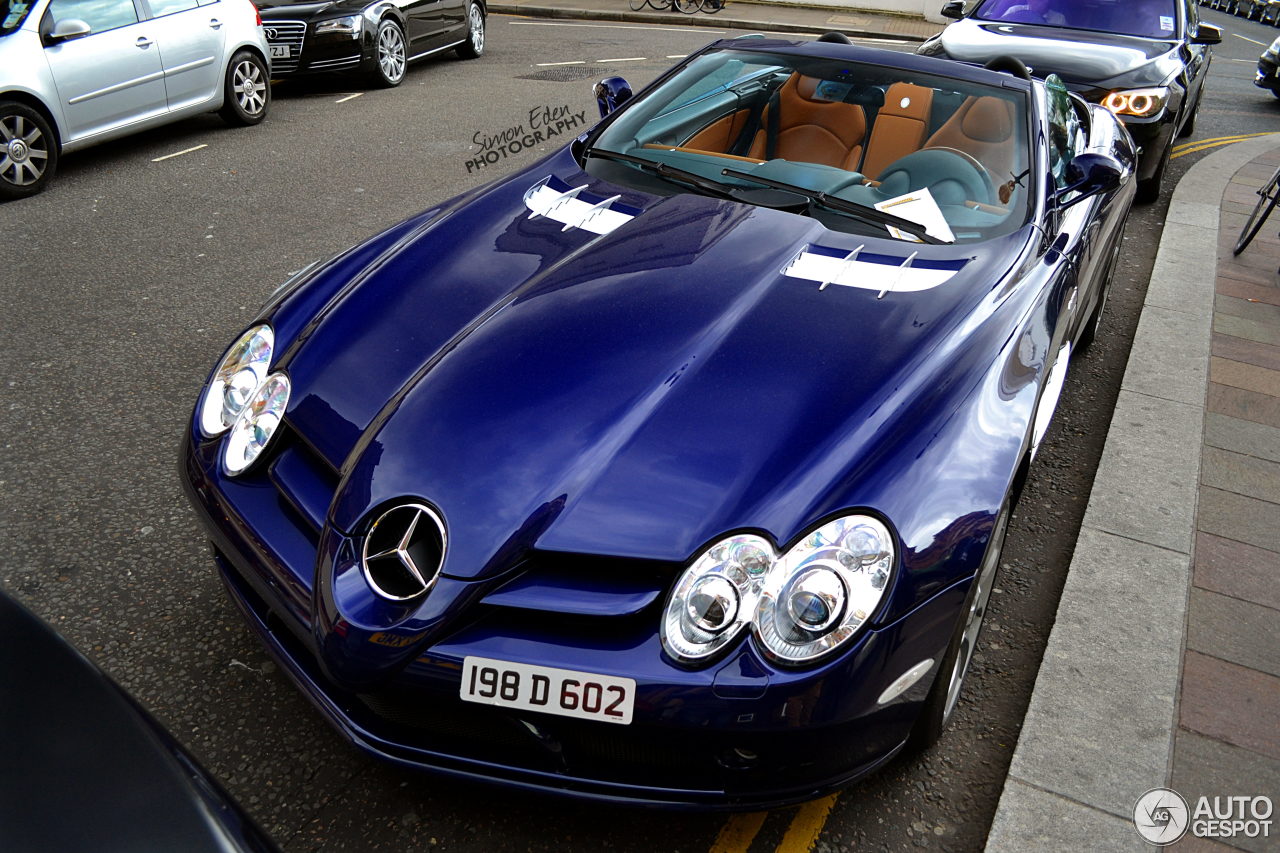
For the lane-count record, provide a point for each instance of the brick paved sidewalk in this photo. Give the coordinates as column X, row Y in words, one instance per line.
column 1228, row 737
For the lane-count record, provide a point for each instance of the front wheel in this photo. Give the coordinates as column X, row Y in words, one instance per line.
column 28, row 151
column 1268, row 196
column 247, row 90
column 389, row 56
column 1149, row 189
column 688, row 7
column 940, row 704
column 637, row 5
column 474, row 45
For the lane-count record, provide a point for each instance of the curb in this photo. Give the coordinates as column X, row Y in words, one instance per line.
column 716, row 21
column 1099, row 728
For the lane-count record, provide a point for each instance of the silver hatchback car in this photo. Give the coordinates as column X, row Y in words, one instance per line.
column 77, row 72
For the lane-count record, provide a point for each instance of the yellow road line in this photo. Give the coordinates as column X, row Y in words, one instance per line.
column 806, row 826
column 738, row 832
column 1236, row 138
column 1208, row 146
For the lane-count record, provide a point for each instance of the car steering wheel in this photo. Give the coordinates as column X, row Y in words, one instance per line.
column 952, row 176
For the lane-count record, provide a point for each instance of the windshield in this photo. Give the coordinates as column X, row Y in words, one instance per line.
column 1147, row 18
column 12, row 14
column 853, row 145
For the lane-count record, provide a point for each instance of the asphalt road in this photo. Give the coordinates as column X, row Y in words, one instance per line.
column 125, row 281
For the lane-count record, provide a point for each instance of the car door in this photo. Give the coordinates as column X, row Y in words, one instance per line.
column 112, row 76
column 190, row 37
column 433, row 24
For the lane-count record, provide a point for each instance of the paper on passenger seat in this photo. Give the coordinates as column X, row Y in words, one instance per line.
column 919, row 207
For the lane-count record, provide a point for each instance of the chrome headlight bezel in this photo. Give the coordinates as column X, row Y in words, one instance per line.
column 239, row 373
column 1137, row 103
column 256, row 425
column 348, row 25
column 715, row 597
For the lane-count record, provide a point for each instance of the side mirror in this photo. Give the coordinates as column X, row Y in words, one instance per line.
column 1089, row 174
column 71, row 28
column 954, row 9
column 1207, row 34
column 611, row 93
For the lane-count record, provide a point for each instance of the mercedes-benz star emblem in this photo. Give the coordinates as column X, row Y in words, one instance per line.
column 403, row 552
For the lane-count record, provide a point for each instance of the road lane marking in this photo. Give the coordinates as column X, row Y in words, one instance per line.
column 1250, row 61
column 1201, row 144
column 570, row 62
column 348, row 98
column 625, row 59
column 738, row 832
column 617, row 27
column 179, row 153
column 806, row 826
column 1246, row 38
column 1206, row 147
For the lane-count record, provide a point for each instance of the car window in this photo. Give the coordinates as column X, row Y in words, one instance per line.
column 160, row 8
column 12, row 15
column 100, row 15
column 1067, row 134
column 1147, row 18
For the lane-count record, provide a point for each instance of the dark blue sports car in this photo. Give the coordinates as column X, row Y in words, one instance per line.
column 675, row 467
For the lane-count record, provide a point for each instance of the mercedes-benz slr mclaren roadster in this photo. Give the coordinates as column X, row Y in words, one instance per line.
column 674, row 468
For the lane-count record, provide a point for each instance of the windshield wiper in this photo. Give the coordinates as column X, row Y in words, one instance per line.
column 858, row 211
column 662, row 170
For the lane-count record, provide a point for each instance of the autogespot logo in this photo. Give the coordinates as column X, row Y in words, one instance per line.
column 1161, row 816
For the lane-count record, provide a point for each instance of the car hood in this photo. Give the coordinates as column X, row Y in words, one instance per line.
column 1083, row 59
column 635, row 393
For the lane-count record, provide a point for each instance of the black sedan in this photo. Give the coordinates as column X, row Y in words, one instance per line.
column 1146, row 61
column 375, row 38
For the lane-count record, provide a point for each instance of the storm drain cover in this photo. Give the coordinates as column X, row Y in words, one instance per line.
column 567, row 73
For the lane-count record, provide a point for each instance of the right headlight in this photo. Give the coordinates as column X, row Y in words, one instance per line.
column 801, row 606
column 350, row 25
column 1142, row 103
column 238, row 376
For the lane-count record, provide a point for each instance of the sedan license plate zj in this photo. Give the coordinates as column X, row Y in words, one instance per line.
column 279, row 51
column 566, row 692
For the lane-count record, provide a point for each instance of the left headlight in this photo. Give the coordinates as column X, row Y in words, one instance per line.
column 824, row 589
column 256, row 424
column 237, row 377
column 1142, row 103
column 350, row 25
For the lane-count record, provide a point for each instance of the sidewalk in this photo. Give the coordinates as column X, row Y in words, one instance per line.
column 1163, row 668
column 739, row 15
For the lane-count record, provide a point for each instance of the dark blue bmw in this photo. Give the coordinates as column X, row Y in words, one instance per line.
column 673, row 469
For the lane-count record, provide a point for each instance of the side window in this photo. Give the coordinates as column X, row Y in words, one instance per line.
column 160, row 8
column 1067, row 134
column 100, row 15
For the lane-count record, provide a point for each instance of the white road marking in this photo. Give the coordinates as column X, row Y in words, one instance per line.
column 625, row 59
column 570, row 62
column 1246, row 38
column 348, row 98
column 1250, row 61
column 617, row 27
column 178, row 153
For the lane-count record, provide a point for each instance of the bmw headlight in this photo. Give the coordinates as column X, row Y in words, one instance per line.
column 350, row 25
column 256, row 423
column 824, row 589
column 716, row 597
column 1143, row 103
column 238, row 376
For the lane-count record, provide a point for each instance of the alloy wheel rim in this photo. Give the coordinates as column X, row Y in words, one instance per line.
column 973, row 621
column 23, row 151
column 391, row 53
column 477, row 29
column 250, row 88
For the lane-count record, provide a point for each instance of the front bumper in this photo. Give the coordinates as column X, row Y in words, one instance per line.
column 1155, row 138
column 297, row 51
column 1266, row 76
column 736, row 735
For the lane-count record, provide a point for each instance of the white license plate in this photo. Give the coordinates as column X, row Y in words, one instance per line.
column 279, row 51
column 566, row 692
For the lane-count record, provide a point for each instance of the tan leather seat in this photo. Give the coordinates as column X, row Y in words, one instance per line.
column 983, row 128
column 900, row 127
column 813, row 131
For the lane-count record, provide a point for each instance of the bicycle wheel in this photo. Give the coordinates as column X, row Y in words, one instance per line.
column 637, row 5
column 713, row 6
column 1268, row 196
column 689, row 7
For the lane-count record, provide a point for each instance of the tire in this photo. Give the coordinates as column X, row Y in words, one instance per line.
column 1190, row 127
column 1149, row 190
column 28, row 151
column 1268, row 196
column 637, row 5
column 389, row 55
column 688, row 7
column 1090, row 331
column 940, row 704
column 474, row 45
column 713, row 6
column 246, row 91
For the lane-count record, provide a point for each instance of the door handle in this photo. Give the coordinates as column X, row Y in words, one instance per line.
column 215, row 24
column 143, row 42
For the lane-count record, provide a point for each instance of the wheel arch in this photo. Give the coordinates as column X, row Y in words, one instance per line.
column 29, row 100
